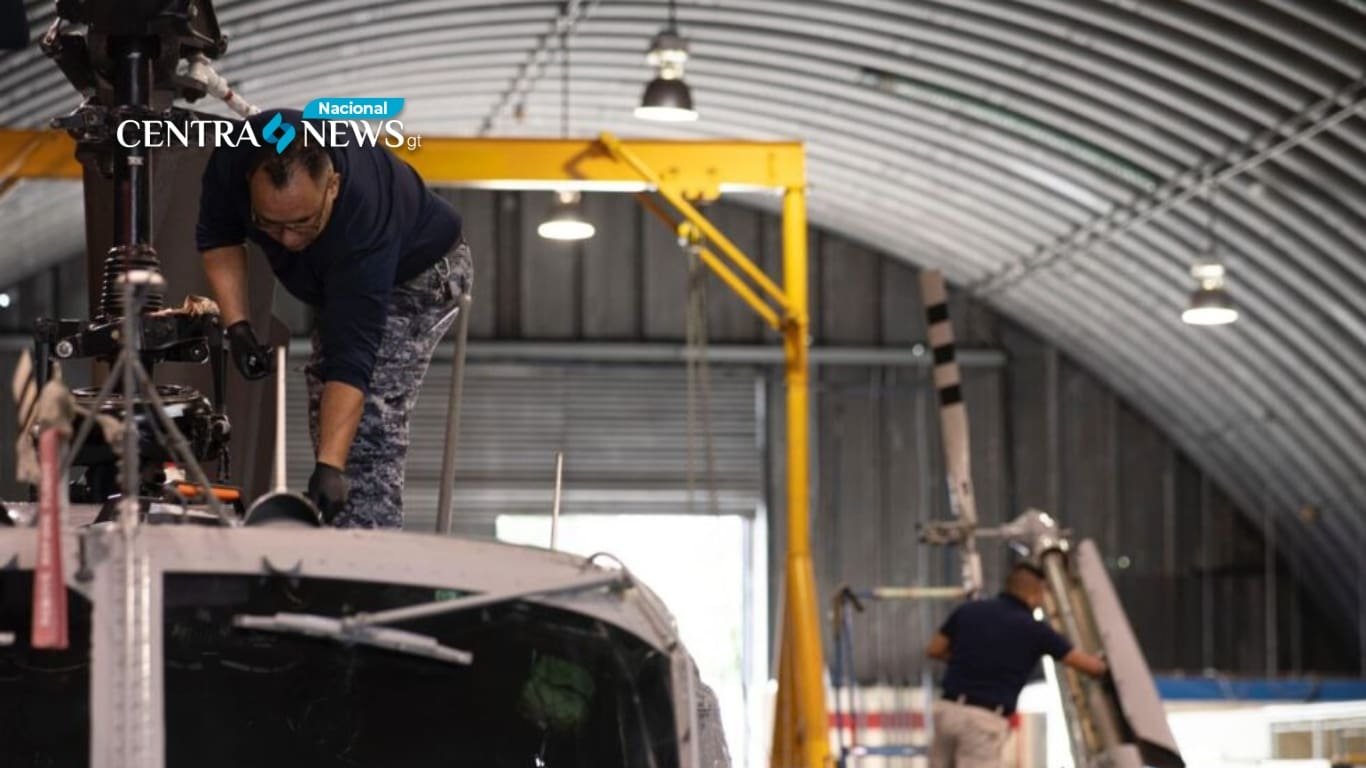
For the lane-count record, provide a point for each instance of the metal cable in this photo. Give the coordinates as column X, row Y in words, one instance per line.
column 1211, row 218
column 1121, row 219
column 698, row 377
column 532, row 69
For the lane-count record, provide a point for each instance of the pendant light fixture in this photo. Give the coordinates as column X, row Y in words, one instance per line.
column 667, row 98
column 1210, row 303
column 566, row 220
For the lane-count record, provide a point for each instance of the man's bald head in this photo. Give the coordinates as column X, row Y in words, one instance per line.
column 1026, row 581
column 292, row 193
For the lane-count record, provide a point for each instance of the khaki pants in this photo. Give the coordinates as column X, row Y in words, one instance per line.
column 967, row 737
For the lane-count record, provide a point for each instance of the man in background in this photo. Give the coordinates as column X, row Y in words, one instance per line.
column 991, row 647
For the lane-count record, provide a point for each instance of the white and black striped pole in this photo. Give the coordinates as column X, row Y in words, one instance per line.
column 953, row 420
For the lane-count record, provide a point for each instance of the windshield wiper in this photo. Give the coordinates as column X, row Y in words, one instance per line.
column 455, row 604
column 365, row 629
column 313, row 625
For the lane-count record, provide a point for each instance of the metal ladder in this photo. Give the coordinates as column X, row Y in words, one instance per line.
column 847, row 602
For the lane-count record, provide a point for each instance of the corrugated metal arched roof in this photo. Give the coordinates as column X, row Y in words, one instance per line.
column 999, row 140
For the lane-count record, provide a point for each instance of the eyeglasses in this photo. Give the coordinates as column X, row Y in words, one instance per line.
column 306, row 226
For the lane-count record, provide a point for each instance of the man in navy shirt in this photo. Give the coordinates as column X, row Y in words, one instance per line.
column 991, row 647
column 354, row 232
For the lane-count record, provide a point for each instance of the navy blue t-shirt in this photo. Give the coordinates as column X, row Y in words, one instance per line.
column 993, row 646
column 386, row 227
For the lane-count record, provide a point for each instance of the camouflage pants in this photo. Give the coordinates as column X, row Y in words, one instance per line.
column 420, row 312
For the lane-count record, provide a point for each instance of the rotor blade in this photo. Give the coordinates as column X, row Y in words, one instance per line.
column 1133, row 693
column 953, row 420
column 953, row 414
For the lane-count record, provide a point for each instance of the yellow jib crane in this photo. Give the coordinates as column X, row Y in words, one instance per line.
column 679, row 173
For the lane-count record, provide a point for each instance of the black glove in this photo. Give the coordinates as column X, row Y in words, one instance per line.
column 327, row 489
column 252, row 357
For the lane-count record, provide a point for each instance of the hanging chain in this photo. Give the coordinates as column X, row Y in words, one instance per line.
column 698, row 372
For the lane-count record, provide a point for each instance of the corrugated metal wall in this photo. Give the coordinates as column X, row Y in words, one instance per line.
column 623, row 431
column 1204, row 589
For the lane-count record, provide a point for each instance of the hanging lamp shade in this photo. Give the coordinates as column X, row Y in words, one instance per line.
column 566, row 220
column 666, row 100
column 1210, row 306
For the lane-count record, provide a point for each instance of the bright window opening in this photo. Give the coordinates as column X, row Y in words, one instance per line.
column 711, row 573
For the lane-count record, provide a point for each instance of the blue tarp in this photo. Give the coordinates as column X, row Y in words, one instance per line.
column 1225, row 689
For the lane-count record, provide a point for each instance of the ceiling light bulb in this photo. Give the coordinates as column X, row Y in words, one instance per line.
column 566, row 222
column 1210, row 274
column 1210, row 306
column 668, row 49
column 565, row 229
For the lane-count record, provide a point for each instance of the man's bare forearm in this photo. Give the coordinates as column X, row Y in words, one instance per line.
column 226, row 269
column 338, row 416
column 1084, row 662
column 939, row 647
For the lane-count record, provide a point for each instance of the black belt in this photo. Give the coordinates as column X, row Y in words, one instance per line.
column 976, row 702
